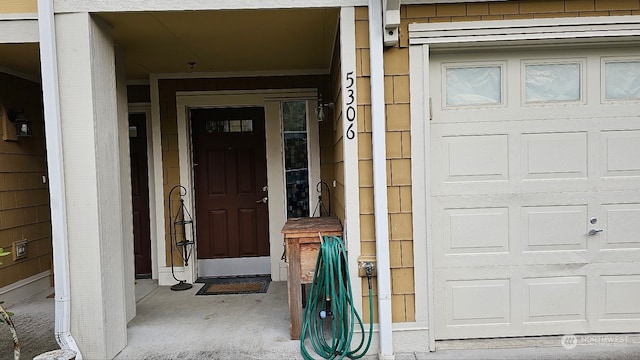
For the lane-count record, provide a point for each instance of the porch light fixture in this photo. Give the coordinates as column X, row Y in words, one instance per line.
column 22, row 124
column 320, row 111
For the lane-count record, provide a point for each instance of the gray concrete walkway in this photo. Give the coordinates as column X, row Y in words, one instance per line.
column 180, row 325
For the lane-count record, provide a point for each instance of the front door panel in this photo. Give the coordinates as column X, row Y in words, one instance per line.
column 230, row 182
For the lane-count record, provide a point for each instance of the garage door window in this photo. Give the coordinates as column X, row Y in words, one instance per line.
column 473, row 85
column 622, row 80
column 552, row 82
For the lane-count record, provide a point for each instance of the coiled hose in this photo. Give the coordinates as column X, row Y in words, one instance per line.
column 330, row 299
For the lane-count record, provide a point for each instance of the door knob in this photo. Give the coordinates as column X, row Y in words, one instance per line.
column 263, row 200
column 595, row 231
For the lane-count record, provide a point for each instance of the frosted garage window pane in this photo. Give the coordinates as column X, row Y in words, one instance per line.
column 474, row 85
column 552, row 82
column 622, row 80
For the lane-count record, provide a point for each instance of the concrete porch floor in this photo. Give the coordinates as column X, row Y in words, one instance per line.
column 179, row 325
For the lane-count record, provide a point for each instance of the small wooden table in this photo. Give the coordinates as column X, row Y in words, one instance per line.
column 302, row 238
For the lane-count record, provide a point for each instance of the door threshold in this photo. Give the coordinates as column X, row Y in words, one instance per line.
column 234, row 266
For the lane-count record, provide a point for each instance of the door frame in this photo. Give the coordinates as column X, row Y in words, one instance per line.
column 424, row 38
column 270, row 100
column 145, row 108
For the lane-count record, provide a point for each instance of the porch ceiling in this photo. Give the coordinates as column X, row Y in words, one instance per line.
column 225, row 41
column 216, row 41
column 23, row 58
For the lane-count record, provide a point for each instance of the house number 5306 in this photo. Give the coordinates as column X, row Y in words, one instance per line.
column 351, row 110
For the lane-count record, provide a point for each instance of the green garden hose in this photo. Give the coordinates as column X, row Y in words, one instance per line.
column 330, row 299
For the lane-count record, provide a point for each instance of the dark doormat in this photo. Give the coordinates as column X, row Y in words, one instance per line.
column 234, row 285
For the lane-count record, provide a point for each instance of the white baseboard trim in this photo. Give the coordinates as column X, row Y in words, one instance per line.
column 408, row 337
column 166, row 279
column 25, row 288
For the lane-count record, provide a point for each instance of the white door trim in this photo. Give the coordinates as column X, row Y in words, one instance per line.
column 423, row 38
column 145, row 108
column 421, row 192
column 270, row 100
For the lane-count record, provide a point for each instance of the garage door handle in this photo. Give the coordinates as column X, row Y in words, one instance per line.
column 595, row 231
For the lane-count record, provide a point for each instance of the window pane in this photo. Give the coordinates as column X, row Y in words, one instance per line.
column 295, row 150
column 235, row 125
column 247, row 125
column 552, row 82
column 296, row 164
column 297, row 193
column 622, row 80
column 294, row 115
column 225, row 126
column 474, row 85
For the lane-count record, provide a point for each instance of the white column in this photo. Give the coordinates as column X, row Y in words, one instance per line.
column 350, row 148
column 376, row 56
column 125, row 184
column 92, row 172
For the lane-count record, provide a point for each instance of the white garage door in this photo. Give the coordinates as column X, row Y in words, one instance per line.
column 535, row 192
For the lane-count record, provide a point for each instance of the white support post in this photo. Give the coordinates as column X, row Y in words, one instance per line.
column 92, row 171
column 378, row 127
column 350, row 146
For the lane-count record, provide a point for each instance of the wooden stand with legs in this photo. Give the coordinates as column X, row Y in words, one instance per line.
column 302, row 238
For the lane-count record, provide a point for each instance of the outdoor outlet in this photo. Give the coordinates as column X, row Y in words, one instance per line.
column 19, row 250
column 364, row 262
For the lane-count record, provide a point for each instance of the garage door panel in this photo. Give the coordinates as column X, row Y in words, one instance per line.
column 554, row 299
column 620, row 153
column 478, row 301
column 493, row 301
column 475, row 231
column 547, row 228
column 618, row 297
column 475, row 158
column 554, row 155
column 622, row 226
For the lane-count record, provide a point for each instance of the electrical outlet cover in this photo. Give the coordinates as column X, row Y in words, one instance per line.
column 19, row 250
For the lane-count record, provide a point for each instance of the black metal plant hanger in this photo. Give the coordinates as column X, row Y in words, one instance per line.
column 180, row 220
column 320, row 209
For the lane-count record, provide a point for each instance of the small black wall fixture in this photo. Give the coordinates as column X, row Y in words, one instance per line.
column 322, row 109
column 21, row 122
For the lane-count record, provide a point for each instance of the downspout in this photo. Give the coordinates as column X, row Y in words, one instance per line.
column 53, row 126
column 380, row 179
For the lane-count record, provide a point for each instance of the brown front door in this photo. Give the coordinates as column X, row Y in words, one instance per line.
column 140, row 195
column 230, row 182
